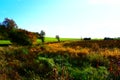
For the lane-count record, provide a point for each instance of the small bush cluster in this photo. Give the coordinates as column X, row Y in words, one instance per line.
column 3, row 33
column 22, row 37
column 10, row 31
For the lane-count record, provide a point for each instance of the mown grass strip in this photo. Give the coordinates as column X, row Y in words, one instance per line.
column 5, row 42
column 51, row 39
column 47, row 39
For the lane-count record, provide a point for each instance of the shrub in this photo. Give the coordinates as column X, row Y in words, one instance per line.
column 22, row 37
column 3, row 33
column 89, row 73
column 98, row 60
column 44, row 65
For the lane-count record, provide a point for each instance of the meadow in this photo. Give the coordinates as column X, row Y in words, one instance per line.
column 51, row 39
column 47, row 39
column 71, row 59
column 5, row 42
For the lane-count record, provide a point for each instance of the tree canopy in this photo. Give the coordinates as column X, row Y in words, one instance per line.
column 9, row 23
column 9, row 30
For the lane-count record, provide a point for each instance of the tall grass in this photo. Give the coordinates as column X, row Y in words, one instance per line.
column 51, row 39
column 60, row 61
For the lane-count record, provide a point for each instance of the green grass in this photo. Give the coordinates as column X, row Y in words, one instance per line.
column 51, row 39
column 5, row 42
column 47, row 39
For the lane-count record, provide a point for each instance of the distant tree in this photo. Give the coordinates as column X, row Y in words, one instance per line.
column 42, row 36
column 5, row 28
column 9, row 23
column 58, row 38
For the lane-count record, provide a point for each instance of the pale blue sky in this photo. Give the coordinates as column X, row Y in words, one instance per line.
column 66, row 18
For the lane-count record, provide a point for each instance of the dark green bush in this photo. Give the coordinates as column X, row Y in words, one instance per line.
column 22, row 37
column 3, row 33
column 98, row 60
column 88, row 73
column 44, row 65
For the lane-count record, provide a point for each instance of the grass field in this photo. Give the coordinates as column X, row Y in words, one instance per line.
column 51, row 39
column 5, row 42
column 70, row 60
column 47, row 39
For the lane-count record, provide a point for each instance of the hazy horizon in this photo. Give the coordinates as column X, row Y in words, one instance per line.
column 66, row 18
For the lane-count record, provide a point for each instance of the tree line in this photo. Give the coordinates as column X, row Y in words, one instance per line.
column 9, row 30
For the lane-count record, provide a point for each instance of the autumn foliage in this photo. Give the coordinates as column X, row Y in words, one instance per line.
column 65, row 61
column 69, row 60
column 22, row 37
column 9, row 30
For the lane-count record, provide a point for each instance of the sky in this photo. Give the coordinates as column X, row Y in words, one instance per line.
column 66, row 18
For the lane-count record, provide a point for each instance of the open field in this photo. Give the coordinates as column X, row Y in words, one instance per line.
column 68, row 60
column 47, row 39
column 51, row 39
column 5, row 42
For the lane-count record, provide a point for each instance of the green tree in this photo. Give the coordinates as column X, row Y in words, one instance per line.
column 9, row 23
column 6, row 26
column 42, row 36
column 58, row 38
column 3, row 32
